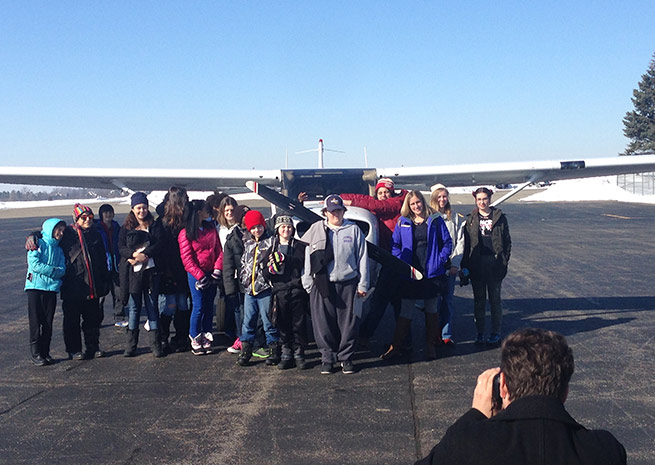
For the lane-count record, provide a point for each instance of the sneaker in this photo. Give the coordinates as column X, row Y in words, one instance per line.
column 326, row 368
column 479, row 339
column 236, row 347
column 493, row 338
column 98, row 354
column 121, row 324
column 196, row 345
column 448, row 342
column 262, row 352
column 347, row 367
column 207, row 339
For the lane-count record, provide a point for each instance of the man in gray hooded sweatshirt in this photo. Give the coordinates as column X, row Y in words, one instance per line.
column 335, row 274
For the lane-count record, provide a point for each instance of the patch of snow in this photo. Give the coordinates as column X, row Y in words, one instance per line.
column 60, row 202
column 154, row 199
column 588, row 189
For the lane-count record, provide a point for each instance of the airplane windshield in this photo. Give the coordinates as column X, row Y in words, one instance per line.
column 318, row 184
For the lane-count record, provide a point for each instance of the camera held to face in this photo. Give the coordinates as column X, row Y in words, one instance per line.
column 496, row 399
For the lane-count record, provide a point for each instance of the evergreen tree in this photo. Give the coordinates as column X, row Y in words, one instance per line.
column 639, row 124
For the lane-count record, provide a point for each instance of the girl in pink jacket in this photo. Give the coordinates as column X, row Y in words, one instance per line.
column 202, row 256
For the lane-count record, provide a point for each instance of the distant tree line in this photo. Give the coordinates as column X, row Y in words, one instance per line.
column 58, row 193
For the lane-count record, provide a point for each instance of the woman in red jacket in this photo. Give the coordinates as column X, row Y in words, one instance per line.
column 386, row 207
column 202, row 256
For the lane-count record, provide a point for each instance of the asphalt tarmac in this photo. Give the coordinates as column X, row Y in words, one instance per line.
column 583, row 269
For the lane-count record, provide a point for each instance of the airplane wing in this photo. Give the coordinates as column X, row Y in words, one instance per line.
column 141, row 179
column 514, row 173
column 423, row 178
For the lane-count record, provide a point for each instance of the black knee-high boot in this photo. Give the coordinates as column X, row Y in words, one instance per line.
column 132, row 342
column 155, row 343
column 182, row 321
column 165, row 332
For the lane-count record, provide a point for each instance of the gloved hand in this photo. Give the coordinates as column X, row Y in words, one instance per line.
column 217, row 276
column 275, row 263
column 464, row 277
column 202, row 283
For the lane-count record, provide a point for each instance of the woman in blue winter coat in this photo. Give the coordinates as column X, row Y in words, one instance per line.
column 46, row 267
column 423, row 241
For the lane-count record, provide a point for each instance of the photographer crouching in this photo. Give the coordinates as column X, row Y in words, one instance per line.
column 527, row 422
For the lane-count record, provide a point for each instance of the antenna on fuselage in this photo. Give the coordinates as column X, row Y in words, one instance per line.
column 320, row 150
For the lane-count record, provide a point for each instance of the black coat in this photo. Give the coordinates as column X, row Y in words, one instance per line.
column 129, row 240
column 292, row 268
column 172, row 275
column 232, row 252
column 81, row 282
column 501, row 242
column 532, row 430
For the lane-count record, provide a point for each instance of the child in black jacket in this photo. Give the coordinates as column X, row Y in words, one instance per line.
column 290, row 301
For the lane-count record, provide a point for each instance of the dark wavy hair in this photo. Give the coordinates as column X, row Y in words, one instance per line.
column 214, row 202
column 174, row 208
column 483, row 190
column 536, row 362
column 131, row 222
column 194, row 216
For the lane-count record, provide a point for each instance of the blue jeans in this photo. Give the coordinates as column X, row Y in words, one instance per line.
column 233, row 312
column 170, row 303
column 252, row 306
column 145, row 299
column 202, row 311
column 446, row 309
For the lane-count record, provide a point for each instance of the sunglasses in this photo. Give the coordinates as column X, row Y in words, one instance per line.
column 85, row 216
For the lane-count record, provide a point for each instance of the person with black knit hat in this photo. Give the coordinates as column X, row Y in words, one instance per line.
column 290, row 304
column 139, row 245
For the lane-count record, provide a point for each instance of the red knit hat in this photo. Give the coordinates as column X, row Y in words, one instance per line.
column 384, row 182
column 254, row 218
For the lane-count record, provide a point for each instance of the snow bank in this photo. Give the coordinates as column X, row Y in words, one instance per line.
column 154, row 199
column 579, row 190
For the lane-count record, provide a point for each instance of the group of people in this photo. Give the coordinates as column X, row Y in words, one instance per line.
column 264, row 273
column 268, row 279
column 442, row 245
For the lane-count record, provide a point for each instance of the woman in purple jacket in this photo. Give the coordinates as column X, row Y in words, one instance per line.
column 422, row 241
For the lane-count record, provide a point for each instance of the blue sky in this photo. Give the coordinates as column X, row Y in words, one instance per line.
column 233, row 84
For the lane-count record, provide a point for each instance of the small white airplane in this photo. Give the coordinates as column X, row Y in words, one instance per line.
column 320, row 182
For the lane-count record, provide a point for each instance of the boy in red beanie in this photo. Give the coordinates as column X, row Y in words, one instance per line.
column 257, row 297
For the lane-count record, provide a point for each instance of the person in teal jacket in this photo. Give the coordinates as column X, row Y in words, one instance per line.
column 46, row 267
